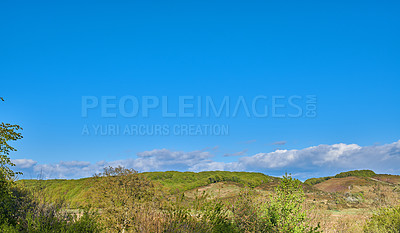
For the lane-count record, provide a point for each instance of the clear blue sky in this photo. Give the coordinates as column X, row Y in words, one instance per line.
column 346, row 53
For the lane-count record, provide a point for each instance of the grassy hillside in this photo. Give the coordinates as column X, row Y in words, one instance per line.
column 182, row 181
column 76, row 192
column 355, row 173
column 344, row 201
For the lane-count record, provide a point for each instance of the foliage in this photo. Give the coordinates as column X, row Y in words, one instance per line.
column 356, row 173
column 203, row 216
column 121, row 193
column 182, row 181
column 74, row 192
column 29, row 211
column 8, row 132
column 247, row 211
column 385, row 220
column 313, row 181
column 216, row 214
column 54, row 218
column 77, row 192
column 285, row 212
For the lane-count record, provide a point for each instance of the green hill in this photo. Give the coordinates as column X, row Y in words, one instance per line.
column 350, row 195
column 76, row 192
column 356, row 173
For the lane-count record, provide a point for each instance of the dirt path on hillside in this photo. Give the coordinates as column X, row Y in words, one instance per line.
column 384, row 182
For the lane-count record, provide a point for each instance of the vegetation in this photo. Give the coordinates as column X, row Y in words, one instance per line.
column 356, row 173
column 285, row 210
column 130, row 202
column 385, row 220
column 195, row 202
column 182, row 181
column 77, row 192
column 250, row 212
column 120, row 193
column 313, row 181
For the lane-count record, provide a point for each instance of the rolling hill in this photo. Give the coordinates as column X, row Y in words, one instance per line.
column 76, row 192
column 353, row 189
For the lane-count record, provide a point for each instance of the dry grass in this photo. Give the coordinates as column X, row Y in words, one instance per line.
column 221, row 190
column 343, row 221
column 388, row 178
column 341, row 184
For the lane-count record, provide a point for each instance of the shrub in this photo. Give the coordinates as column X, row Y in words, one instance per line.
column 285, row 212
column 28, row 211
column 385, row 220
column 246, row 211
column 203, row 215
column 122, row 194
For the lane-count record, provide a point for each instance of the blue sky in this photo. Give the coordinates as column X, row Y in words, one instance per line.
column 345, row 53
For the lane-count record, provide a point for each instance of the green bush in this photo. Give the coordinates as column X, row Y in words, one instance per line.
column 204, row 215
column 6, row 228
column 27, row 211
column 385, row 220
column 247, row 211
column 285, row 212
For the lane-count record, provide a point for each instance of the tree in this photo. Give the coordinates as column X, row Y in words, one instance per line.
column 121, row 194
column 8, row 132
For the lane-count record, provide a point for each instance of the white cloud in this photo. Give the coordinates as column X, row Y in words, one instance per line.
column 337, row 157
column 312, row 156
column 312, row 161
column 66, row 169
column 24, row 163
column 154, row 160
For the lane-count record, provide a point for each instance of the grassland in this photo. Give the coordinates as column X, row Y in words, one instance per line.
column 341, row 203
column 76, row 192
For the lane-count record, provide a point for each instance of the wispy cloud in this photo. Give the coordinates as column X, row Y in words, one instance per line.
column 249, row 141
column 24, row 163
column 215, row 148
column 236, row 153
column 280, row 143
